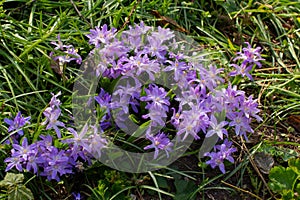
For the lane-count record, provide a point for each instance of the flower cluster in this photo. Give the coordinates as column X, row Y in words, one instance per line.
column 40, row 158
column 249, row 57
column 86, row 145
column 136, row 58
column 144, row 52
column 221, row 152
column 45, row 159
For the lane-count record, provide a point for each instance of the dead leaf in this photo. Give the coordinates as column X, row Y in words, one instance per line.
column 294, row 121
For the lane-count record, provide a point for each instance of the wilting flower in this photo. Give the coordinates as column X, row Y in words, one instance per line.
column 60, row 45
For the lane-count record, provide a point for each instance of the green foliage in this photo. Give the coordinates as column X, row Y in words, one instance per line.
column 280, row 152
column 15, row 190
column 184, row 188
column 285, row 181
column 113, row 183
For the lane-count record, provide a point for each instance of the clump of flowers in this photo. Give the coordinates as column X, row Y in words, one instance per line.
column 142, row 51
column 40, row 158
column 136, row 58
column 43, row 158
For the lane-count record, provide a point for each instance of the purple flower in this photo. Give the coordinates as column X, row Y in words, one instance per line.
column 56, row 162
column 142, row 64
column 177, row 66
column 72, row 54
column 52, row 116
column 156, row 116
column 163, row 34
column 98, row 36
column 250, row 55
column 224, row 153
column 22, row 150
column 42, row 158
column 18, row 122
column 158, row 97
column 242, row 70
column 175, row 119
column 191, row 97
column 104, row 100
column 60, row 45
column 231, row 96
column 55, row 102
column 76, row 196
column 217, row 128
column 210, row 76
column 216, row 160
column 192, row 121
column 226, row 142
column 155, row 48
column 249, row 107
column 69, row 53
column 124, row 94
column 20, row 155
column 133, row 36
column 159, row 142
column 241, row 123
column 96, row 144
column 45, row 144
column 32, row 162
column 78, row 141
column 114, row 50
column 14, row 161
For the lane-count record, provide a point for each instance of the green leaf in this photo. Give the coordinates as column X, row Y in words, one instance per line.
column 287, row 154
column 20, row 192
column 282, row 178
column 287, row 195
column 184, row 188
column 11, row 179
column 294, row 164
column 162, row 182
column 297, row 189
